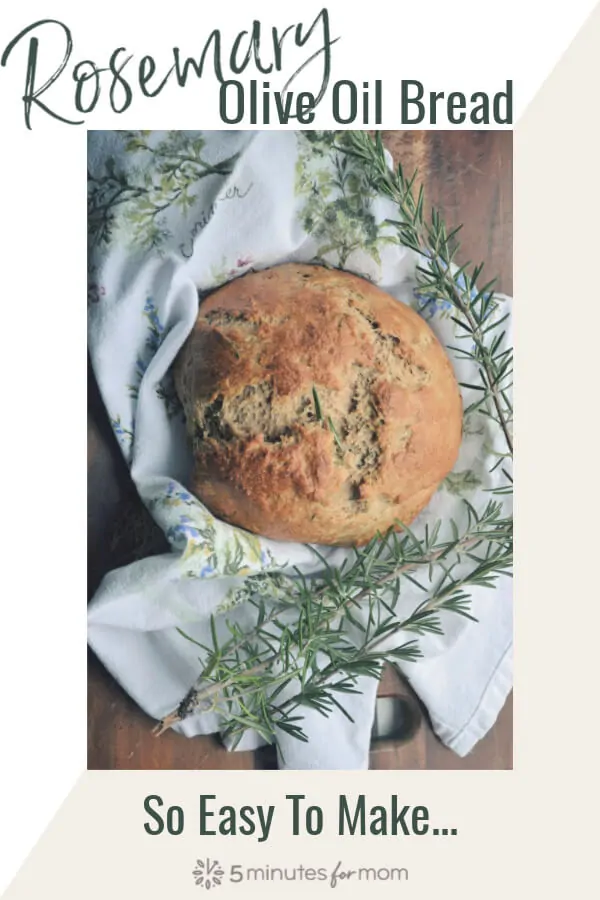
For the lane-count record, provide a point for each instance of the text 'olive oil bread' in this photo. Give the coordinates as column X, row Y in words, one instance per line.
column 320, row 409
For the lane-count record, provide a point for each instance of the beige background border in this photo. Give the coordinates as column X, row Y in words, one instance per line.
column 532, row 828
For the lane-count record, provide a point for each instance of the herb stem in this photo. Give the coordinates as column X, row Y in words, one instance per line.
column 197, row 696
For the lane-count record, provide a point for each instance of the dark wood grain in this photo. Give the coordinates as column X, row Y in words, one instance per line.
column 468, row 175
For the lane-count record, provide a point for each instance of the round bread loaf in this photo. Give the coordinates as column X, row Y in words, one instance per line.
column 320, row 409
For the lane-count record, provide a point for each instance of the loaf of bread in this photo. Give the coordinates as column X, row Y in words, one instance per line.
column 320, row 409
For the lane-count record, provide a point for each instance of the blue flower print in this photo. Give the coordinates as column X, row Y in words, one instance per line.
column 176, row 494
column 156, row 333
column 157, row 329
column 124, row 435
column 428, row 307
column 184, row 530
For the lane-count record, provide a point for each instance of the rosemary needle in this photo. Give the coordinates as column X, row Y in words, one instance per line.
column 317, row 402
column 336, row 436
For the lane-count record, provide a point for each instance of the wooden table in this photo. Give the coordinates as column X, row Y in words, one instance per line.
column 468, row 175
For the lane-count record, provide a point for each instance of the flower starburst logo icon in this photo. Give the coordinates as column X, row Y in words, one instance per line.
column 208, row 873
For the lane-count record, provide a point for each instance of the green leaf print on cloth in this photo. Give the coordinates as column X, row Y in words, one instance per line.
column 209, row 548
column 338, row 201
column 461, row 483
column 130, row 205
column 165, row 391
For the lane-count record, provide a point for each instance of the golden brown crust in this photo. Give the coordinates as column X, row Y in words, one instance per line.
column 320, row 409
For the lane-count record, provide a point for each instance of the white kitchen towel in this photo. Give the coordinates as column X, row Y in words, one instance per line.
column 175, row 214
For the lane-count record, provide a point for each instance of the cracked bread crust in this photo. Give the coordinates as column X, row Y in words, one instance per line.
column 320, row 409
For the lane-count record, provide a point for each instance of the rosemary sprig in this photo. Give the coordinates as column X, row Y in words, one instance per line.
column 441, row 279
column 304, row 643
column 312, row 648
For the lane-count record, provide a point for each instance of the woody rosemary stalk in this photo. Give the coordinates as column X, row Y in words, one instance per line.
column 309, row 645
column 439, row 278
